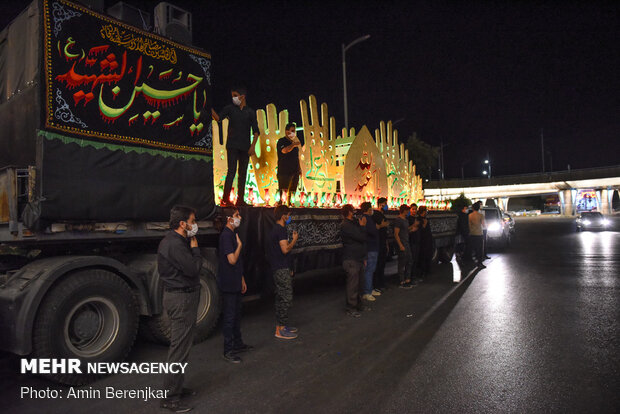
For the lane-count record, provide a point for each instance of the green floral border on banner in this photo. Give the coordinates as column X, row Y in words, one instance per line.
column 126, row 149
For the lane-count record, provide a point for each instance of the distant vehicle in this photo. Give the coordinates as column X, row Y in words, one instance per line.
column 592, row 220
column 510, row 222
column 498, row 231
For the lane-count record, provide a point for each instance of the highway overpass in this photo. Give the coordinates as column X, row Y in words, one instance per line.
column 602, row 182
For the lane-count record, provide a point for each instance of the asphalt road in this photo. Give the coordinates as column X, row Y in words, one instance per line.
column 537, row 331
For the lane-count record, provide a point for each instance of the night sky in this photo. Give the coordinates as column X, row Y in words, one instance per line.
column 482, row 76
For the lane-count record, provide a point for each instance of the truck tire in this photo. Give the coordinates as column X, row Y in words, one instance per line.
column 158, row 326
column 91, row 315
column 446, row 253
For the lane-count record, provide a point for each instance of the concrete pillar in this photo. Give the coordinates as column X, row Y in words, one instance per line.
column 605, row 200
column 568, row 207
column 503, row 203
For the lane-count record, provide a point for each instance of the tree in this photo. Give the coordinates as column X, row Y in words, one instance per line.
column 460, row 202
column 424, row 156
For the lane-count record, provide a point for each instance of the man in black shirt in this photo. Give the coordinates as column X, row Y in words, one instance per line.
column 232, row 285
column 179, row 263
column 279, row 251
column 238, row 148
column 353, row 233
column 288, row 162
column 382, row 225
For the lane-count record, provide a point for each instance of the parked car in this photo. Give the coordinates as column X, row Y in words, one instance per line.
column 498, row 231
column 592, row 220
column 511, row 223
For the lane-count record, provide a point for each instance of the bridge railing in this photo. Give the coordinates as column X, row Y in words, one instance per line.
column 567, row 175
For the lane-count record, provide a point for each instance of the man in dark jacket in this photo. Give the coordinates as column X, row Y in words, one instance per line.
column 382, row 225
column 426, row 243
column 179, row 263
column 353, row 233
column 463, row 251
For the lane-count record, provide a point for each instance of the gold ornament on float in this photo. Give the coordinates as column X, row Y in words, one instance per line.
column 265, row 162
column 364, row 169
column 318, row 154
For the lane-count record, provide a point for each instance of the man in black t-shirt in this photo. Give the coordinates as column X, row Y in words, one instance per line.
column 288, row 162
column 382, row 225
column 241, row 119
column 279, row 253
column 232, row 285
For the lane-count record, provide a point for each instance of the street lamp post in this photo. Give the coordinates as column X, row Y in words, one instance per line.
column 487, row 161
column 344, row 76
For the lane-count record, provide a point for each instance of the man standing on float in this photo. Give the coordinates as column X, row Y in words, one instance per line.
column 241, row 118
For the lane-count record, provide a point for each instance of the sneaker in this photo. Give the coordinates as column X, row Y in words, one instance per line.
column 175, row 406
column 481, row 266
column 376, row 292
column 368, row 297
column 231, row 357
column 405, row 286
column 243, row 348
column 291, row 329
column 283, row 333
column 353, row 313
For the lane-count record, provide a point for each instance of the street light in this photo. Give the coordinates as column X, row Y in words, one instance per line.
column 487, row 161
column 344, row 76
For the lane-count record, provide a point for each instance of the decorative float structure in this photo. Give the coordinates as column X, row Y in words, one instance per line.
column 336, row 169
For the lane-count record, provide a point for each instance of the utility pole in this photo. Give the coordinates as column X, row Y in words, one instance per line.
column 344, row 76
column 542, row 149
column 442, row 165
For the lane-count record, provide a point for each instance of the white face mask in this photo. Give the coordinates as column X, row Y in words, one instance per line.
column 236, row 100
column 236, row 222
column 193, row 231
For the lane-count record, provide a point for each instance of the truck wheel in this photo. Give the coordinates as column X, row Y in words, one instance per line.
column 446, row 253
column 91, row 315
column 158, row 326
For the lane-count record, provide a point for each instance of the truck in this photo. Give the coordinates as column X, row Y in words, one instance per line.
column 104, row 127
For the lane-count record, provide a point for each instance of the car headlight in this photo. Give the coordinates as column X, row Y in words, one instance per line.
column 494, row 227
column 605, row 222
column 586, row 222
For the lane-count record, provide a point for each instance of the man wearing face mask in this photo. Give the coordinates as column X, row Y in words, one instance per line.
column 179, row 263
column 288, row 162
column 232, row 285
column 241, row 118
column 279, row 258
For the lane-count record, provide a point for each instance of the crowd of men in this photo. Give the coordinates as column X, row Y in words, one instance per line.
column 365, row 250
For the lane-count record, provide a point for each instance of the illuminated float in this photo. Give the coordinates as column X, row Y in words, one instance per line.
column 336, row 169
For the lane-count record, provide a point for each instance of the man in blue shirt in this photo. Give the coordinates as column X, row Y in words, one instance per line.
column 232, row 285
column 241, row 118
column 279, row 253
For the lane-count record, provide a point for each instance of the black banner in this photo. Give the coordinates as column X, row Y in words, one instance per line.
column 108, row 81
